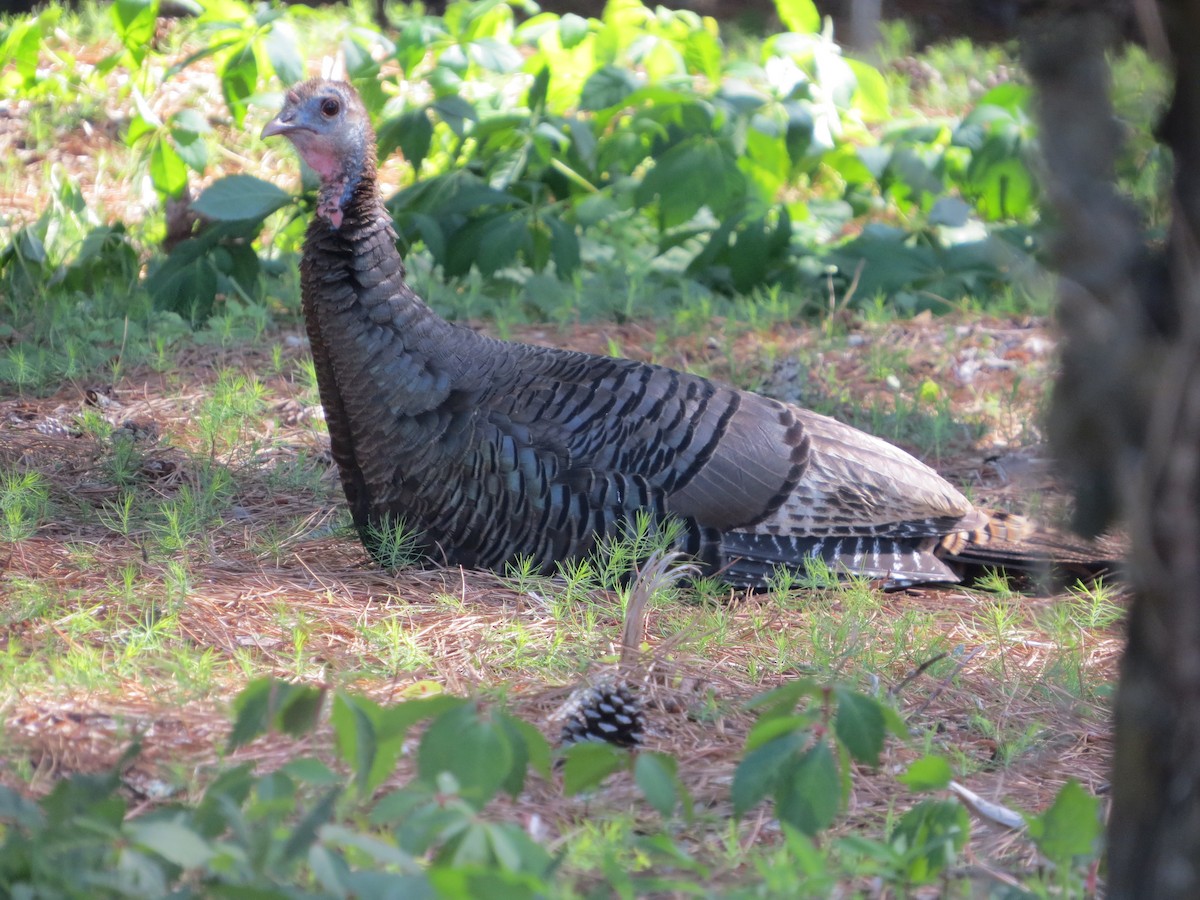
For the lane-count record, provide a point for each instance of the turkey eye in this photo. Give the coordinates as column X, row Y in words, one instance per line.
column 330, row 107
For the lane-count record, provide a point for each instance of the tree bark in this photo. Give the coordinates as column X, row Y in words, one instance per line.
column 1126, row 422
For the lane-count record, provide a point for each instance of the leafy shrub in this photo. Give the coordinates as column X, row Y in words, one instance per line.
column 525, row 139
column 307, row 826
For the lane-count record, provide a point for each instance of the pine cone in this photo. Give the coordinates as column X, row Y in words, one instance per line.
column 606, row 711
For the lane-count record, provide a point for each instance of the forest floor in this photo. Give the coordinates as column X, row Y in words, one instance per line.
column 116, row 628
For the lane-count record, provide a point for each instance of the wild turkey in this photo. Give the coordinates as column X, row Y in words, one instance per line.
column 496, row 450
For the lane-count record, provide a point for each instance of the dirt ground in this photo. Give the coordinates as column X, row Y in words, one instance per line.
column 236, row 593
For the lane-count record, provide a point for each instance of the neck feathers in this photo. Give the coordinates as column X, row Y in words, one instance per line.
column 353, row 184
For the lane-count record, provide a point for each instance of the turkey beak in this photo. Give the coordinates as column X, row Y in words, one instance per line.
column 281, row 124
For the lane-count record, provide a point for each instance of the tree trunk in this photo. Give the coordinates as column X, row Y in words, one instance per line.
column 1126, row 421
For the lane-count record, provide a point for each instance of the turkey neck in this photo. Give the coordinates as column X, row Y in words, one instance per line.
column 355, row 270
column 386, row 364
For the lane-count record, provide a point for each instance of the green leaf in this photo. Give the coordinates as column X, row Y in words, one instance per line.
column 929, row 837
column 999, row 180
column 470, row 745
column 305, row 833
column 329, row 869
column 283, row 50
column 800, row 16
column 534, row 746
column 702, row 54
column 536, row 99
column 871, row 95
column 607, row 87
column 564, row 246
column 494, row 56
column 186, row 282
column 381, row 852
column 781, row 701
column 353, row 721
column 239, row 80
column 759, row 771
column 191, row 148
column 135, row 21
column 311, row 771
column 17, row 809
column 22, row 46
column 1070, row 827
column 240, row 198
column 589, row 763
column 572, row 30
column 694, row 173
column 929, row 773
column 1010, row 96
column 655, row 774
column 492, row 243
column 412, row 132
column 859, row 725
column 168, row 172
column 808, row 789
column 267, row 703
column 173, row 840
column 455, row 111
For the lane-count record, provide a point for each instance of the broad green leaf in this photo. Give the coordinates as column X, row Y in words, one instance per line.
column 268, row 703
column 494, row 56
column 929, row 837
column 655, row 774
column 382, row 852
column 283, row 50
column 311, row 771
column 572, row 29
column 808, row 790
column 800, row 16
column 191, row 148
column 694, row 173
column 469, row 744
column 189, row 119
column 607, row 87
column 168, row 172
column 702, row 54
column 1010, row 95
column 769, row 727
column 501, row 237
column 173, row 840
column 239, row 80
column 186, row 282
column 135, row 21
column 1070, row 827
column 21, row 47
column 19, row 810
column 412, row 132
column 759, row 771
column 589, row 763
column 859, row 725
column 564, row 246
column 455, row 111
column 536, row 99
column 329, row 869
column 357, row 737
column 871, row 95
column 949, row 211
column 239, row 198
column 458, row 880
column 535, row 747
column 1000, row 182
column 781, row 701
column 305, row 833
column 929, row 773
